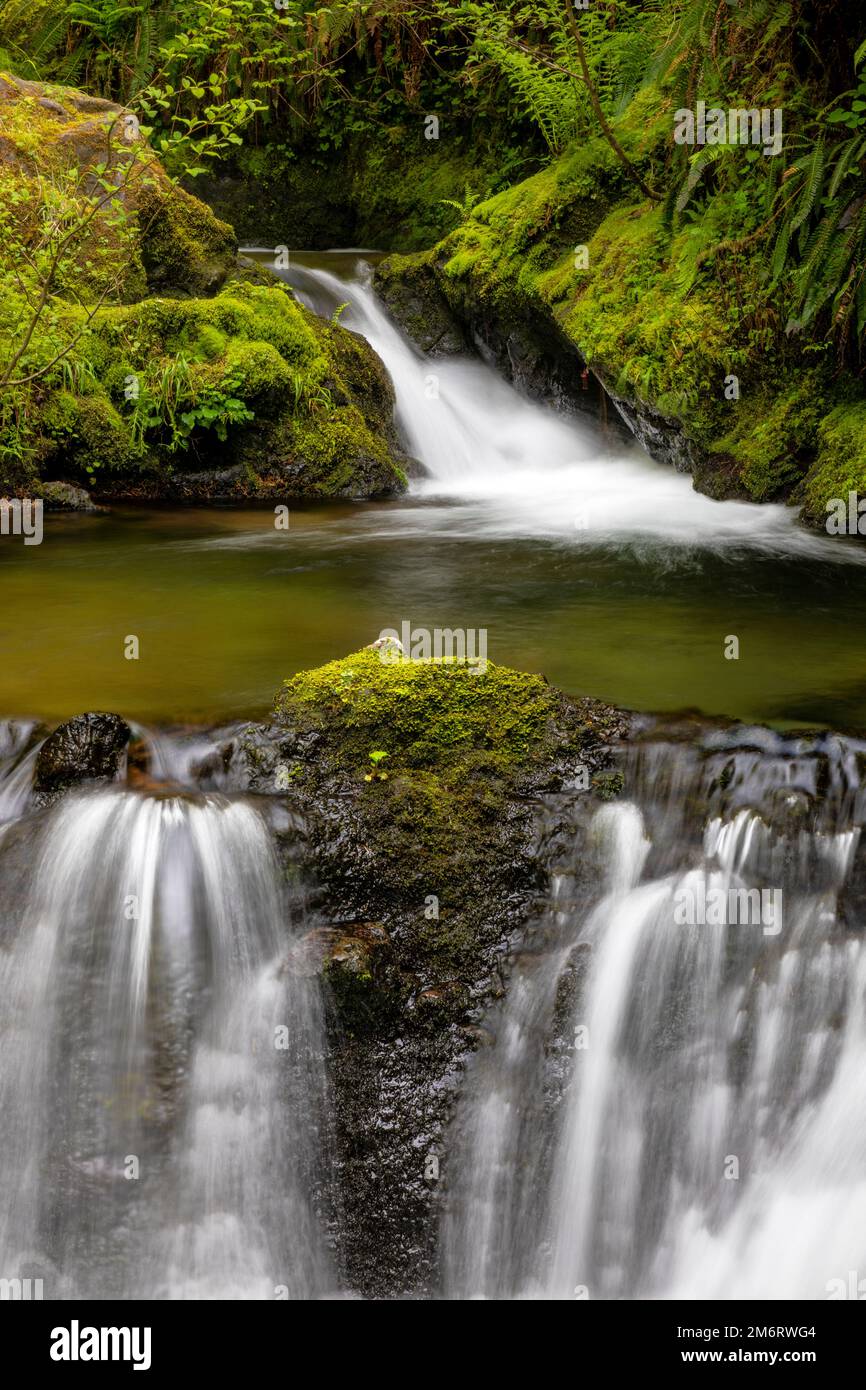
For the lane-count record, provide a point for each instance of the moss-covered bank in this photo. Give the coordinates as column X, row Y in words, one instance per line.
column 691, row 346
column 223, row 386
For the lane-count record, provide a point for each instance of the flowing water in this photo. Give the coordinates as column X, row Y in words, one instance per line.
column 673, row 1106
column 579, row 556
column 667, row 1107
column 162, row 1081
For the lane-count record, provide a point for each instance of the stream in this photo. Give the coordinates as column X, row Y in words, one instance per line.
column 580, row 556
column 162, row 1079
column 661, row 1110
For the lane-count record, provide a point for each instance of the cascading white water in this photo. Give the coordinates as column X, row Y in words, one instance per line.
column 693, row 1123
column 161, row 1075
column 17, row 760
column 508, row 467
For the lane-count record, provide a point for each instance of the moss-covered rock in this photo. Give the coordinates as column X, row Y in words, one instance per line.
column 840, row 464
column 246, row 395
column 70, row 139
column 426, row 864
column 434, row 761
column 185, row 249
column 241, row 395
column 410, row 287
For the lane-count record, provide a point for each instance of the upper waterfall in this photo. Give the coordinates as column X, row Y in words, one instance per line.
column 519, row 468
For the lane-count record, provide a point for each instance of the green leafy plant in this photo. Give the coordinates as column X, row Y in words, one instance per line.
column 375, row 774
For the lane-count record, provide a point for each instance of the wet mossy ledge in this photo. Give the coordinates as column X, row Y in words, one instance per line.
column 569, row 270
column 269, row 402
column 190, row 377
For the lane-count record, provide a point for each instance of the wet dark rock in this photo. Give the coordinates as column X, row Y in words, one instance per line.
column 445, row 317
column 139, row 759
column 88, row 748
column 424, row 883
column 790, row 810
column 409, row 287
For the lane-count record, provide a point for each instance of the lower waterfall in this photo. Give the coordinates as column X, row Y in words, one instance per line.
column 162, row 1079
column 673, row 1106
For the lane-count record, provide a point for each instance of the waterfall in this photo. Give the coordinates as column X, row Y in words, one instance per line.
column 509, row 467
column 162, row 1081
column 673, row 1106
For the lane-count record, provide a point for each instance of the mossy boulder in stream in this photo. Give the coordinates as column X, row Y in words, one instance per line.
column 247, row 395
column 420, row 785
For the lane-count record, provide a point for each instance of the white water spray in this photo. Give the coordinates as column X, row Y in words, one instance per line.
column 510, row 468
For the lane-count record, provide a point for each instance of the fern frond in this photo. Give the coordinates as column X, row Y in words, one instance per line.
column 811, row 188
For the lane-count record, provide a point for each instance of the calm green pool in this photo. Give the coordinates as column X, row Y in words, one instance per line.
column 225, row 606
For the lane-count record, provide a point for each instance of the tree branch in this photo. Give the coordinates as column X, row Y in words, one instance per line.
column 599, row 113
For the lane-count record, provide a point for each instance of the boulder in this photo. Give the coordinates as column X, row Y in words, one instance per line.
column 88, row 748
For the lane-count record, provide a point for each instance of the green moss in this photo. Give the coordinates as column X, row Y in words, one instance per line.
column 466, row 750
column 253, row 371
column 388, row 189
column 50, row 138
column 774, row 439
column 337, row 455
column 89, row 433
column 247, row 378
column 423, row 712
column 840, row 466
column 608, row 785
column 363, row 991
column 661, row 318
column 185, row 249
column 458, row 741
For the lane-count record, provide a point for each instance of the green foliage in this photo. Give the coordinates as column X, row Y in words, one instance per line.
column 840, row 466
column 820, row 249
column 375, row 775
column 531, row 48
column 804, row 210
column 743, row 259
